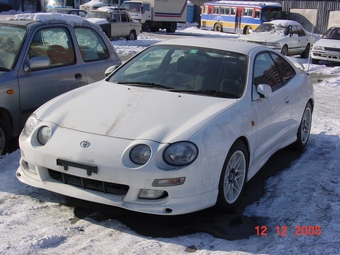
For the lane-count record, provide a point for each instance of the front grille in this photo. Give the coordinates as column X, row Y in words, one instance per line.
column 332, row 49
column 85, row 183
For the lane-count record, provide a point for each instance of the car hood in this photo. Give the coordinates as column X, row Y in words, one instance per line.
column 98, row 21
column 130, row 112
column 328, row 43
column 262, row 37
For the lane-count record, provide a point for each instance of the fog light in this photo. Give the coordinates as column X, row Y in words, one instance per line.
column 151, row 193
column 168, row 182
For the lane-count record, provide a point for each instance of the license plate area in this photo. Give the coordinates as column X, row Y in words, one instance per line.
column 88, row 168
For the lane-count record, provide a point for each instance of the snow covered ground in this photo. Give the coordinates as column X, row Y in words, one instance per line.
column 299, row 212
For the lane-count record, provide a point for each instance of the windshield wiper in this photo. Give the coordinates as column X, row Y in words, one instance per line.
column 144, row 84
column 216, row 93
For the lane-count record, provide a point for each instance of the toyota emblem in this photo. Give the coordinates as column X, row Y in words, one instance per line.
column 85, row 144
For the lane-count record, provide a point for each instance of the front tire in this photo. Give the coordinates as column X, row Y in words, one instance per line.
column 4, row 138
column 315, row 61
column 233, row 177
column 304, row 128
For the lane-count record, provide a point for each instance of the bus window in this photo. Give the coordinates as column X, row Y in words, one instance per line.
column 216, row 10
column 257, row 14
column 233, row 11
column 225, row 10
column 248, row 12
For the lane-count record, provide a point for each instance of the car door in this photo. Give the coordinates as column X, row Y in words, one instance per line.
column 299, row 39
column 62, row 74
column 274, row 113
column 127, row 24
column 95, row 53
column 116, row 25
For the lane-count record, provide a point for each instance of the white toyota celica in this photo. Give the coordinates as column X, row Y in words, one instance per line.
column 180, row 127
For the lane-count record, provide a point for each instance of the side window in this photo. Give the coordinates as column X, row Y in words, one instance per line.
column 92, row 46
column 54, row 43
column 124, row 17
column 257, row 14
column 286, row 71
column 146, row 7
column 116, row 17
column 266, row 72
column 216, row 10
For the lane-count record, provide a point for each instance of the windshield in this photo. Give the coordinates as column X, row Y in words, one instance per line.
column 11, row 39
column 186, row 69
column 332, row 33
column 131, row 7
column 272, row 28
column 98, row 15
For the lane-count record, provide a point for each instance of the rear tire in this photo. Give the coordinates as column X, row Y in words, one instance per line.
column 154, row 29
column 304, row 128
column 233, row 177
column 305, row 53
column 218, row 27
column 172, row 28
column 132, row 36
column 4, row 138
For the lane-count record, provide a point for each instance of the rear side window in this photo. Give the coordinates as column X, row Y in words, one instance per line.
column 92, row 46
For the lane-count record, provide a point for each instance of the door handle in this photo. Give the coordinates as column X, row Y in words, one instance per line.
column 78, row 76
column 287, row 100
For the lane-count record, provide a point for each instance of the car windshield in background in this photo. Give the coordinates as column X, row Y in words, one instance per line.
column 332, row 33
column 267, row 27
column 186, row 69
column 98, row 15
column 11, row 38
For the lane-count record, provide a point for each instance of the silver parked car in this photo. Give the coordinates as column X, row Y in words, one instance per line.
column 43, row 55
column 328, row 47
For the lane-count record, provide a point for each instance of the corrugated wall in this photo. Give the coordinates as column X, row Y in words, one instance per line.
column 323, row 7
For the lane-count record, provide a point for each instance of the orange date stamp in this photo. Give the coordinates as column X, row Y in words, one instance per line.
column 285, row 231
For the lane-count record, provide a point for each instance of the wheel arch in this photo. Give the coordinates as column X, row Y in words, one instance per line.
column 5, row 116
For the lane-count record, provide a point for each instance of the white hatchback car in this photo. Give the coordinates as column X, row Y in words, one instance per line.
column 178, row 128
column 328, row 47
column 286, row 36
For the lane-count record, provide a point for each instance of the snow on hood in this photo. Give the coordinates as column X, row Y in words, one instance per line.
column 97, row 21
column 263, row 37
column 328, row 43
column 131, row 112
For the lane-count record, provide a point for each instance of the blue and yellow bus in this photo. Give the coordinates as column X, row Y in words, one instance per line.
column 238, row 16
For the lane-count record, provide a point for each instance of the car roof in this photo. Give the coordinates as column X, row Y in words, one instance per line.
column 50, row 17
column 216, row 43
column 283, row 22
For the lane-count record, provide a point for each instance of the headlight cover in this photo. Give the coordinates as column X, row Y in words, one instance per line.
column 44, row 134
column 140, row 154
column 30, row 125
column 272, row 44
column 316, row 47
column 180, row 153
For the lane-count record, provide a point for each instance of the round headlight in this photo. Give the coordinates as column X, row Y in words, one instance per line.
column 140, row 154
column 180, row 153
column 43, row 135
column 30, row 125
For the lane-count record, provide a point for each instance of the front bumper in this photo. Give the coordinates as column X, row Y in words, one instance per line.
column 333, row 56
column 116, row 182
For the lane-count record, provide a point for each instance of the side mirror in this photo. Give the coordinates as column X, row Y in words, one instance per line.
column 264, row 90
column 110, row 69
column 37, row 63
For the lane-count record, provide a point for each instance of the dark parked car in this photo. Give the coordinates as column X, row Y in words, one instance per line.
column 42, row 56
